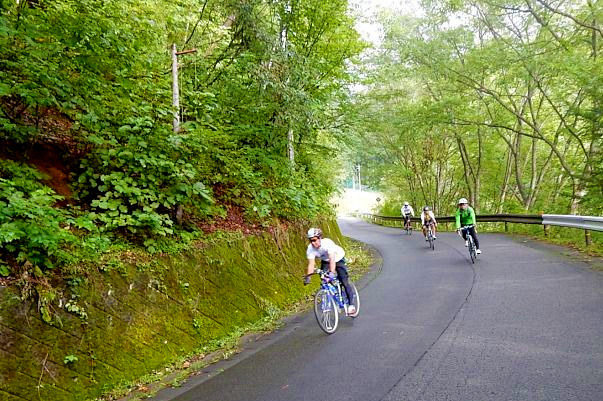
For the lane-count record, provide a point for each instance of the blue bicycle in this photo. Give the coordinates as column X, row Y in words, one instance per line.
column 329, row 300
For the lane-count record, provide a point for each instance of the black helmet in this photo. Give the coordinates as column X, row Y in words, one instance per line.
column 425, row 208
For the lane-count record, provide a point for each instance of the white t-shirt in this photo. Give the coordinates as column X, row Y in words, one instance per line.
column 326, row 246
column 407, row 210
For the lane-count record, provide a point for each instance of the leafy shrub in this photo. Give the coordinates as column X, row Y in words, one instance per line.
column 262, row 182
column 139, row 184
column 31, row 229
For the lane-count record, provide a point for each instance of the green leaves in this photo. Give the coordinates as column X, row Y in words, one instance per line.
column 70, row 359
column 142, row 185
column 31, row 229
column 486, row 101
column 93, row 77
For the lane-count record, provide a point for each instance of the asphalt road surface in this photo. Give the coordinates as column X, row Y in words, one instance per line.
column 524, row 323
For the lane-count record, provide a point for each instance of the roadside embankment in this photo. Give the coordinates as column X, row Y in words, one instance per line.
column 116, row 325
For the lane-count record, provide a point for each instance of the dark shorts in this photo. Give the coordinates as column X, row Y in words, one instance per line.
column 340, row 267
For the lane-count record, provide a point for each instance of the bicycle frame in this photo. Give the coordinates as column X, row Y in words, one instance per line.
column 471, row 242
column 333, row 289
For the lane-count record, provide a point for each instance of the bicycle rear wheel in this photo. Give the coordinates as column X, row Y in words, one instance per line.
column 326, row 311
column 356, row 300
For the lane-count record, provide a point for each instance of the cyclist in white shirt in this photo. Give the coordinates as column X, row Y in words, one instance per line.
column 427, row 219
column 407, row 211
column 332, row 259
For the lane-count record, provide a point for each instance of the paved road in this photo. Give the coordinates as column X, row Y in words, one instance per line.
column 524, row 323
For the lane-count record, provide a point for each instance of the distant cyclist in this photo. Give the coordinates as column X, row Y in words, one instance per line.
column 407, row 212
column 465, row 216
column 332, row 259
column 428, row 219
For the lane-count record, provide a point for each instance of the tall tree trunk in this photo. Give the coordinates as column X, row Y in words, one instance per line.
column 503, row 190
column 478, row 171
column 466, row 168
column 523, row 197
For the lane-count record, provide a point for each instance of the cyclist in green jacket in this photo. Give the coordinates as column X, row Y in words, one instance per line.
column 465, row 216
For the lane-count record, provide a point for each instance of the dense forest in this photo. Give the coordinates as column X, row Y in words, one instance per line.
column 159, row 159
column 90, row 157
column 499, row 101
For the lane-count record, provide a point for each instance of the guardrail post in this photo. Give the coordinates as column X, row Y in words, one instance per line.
column 587, row 237
column 506, row 226
column 546, row 230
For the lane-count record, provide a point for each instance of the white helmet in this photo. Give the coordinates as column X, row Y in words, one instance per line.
column 405, row 203
column 462, row 200
column 314, row 232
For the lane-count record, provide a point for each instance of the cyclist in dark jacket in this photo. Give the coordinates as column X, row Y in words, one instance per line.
column 465, row 216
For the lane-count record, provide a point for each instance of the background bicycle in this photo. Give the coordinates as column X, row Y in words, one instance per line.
column 430, row 237
column 470, row 242
column 408, row 227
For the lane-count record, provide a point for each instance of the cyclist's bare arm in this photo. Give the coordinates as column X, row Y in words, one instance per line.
column 310, row 269
column 311, row 265
column 331, row 263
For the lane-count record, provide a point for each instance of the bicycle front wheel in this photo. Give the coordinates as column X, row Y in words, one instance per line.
column 326, row 312
column 472, row 251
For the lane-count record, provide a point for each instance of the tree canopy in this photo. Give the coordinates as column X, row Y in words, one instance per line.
column 496, row 101
column 91, row 80
column 499, row 101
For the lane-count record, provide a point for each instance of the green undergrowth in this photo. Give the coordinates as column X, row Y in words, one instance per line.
column 177, row 371
column 569, row 237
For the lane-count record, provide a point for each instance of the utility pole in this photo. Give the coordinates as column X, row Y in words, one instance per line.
column 284, row 44
column 290, row 148
column 359, row 180
column 175, row 88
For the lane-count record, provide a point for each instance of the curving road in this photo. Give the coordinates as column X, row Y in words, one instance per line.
column 523, row 323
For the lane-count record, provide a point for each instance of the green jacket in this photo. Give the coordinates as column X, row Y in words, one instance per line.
column 464, row 217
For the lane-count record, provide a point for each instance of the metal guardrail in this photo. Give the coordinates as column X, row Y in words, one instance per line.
column 483, row 218
column 586, row 223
